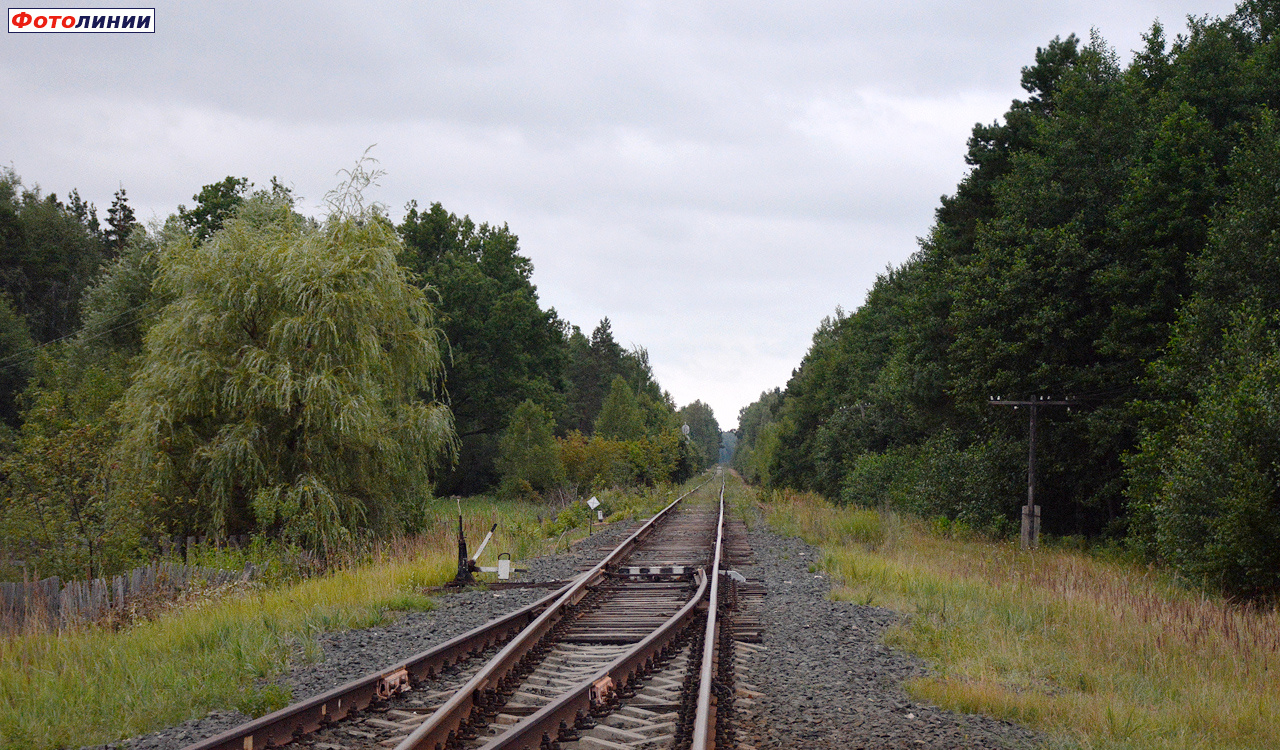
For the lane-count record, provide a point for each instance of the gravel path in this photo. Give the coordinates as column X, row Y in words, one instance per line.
column 857, row 701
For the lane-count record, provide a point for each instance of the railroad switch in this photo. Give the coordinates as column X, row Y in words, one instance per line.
column 468, row 567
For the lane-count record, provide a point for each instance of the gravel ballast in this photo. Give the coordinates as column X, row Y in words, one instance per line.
column 827, row 679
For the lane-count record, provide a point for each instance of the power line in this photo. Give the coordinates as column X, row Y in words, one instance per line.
column 20, row 358
column 1031, row 511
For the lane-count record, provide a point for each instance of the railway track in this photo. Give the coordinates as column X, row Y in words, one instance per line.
column 639, row 651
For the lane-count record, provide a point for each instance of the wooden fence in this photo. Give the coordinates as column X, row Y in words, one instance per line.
column 52, row 603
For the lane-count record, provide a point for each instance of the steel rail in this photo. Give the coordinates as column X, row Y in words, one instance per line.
column 310, row 715
column 704, row 722
column 435, row 732
column 571, row 708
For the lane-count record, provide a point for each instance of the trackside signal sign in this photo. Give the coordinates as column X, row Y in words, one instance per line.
column 82, row 20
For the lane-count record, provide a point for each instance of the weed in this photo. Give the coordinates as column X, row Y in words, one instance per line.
column 260, row 701
column 408, row 602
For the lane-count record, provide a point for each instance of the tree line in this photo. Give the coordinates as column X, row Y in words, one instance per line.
column 242, row 368
column 1114, row 244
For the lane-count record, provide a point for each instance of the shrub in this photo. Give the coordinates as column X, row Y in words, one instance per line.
column 979, row 484
column 1214, row 515
column 528, row 458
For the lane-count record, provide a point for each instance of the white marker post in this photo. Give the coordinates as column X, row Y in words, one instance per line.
column 593, row 503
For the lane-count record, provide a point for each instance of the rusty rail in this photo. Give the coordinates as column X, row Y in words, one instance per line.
column 573, row 708
column 520, row 630
column 435, row 732
column 307, row 716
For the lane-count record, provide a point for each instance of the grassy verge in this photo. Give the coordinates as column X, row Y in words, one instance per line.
column 1100, row 654
column 96, row 685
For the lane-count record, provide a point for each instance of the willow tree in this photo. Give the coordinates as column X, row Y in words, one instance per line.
column 281, row 389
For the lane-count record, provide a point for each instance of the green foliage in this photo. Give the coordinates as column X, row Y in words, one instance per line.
column 503, row 347
column 594, row 364
column 275, row 562
column 763, row 453
column 752, row 420
column 1114, row 224
column 62, row 512
column 121, row 221
column 214, row 205
column 596, row 463
column 875, row 480
column 977, row 485
column 728, row 446
column 704, row 432
column 528, row 458
column 575, row 515
column 17, row 353
column 1202, row 483
column 120, row 306
column 981, row 484
column 1207, row 487
column 261, row 700
column 620, row 416
column 49, row 252
column 280, row 389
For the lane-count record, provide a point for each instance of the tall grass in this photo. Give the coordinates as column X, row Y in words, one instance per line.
column 94, row 685
column 1099, row 653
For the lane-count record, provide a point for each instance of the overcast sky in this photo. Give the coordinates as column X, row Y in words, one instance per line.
column 713, row 177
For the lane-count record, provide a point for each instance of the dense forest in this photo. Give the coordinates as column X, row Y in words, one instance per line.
column 1116, row 245
column 243, row 369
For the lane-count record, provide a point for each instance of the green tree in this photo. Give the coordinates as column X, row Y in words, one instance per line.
column 1202, row 484
column 503, row 347
column 215, row 204
column 121, row 222
column 1211, row 508
column 728, row 446
column 62, row 511
column 528, row 457
column 17, row 352
column 281, row 389
column 49, row 252
column 122, row 303
column 593, row 365
column 704, row 432
column 620, row 416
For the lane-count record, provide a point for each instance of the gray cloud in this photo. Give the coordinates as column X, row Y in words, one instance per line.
column 714, row 177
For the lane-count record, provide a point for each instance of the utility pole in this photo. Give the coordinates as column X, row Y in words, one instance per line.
column 1031, row 511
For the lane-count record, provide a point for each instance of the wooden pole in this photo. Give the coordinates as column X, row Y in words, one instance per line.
column 1030, row 537
column 1030, row 540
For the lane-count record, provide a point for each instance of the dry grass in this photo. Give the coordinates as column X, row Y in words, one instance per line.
column 1100, row 654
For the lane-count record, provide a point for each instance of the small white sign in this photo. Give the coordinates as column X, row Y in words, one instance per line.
column 599, row 515
column 593, row 503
